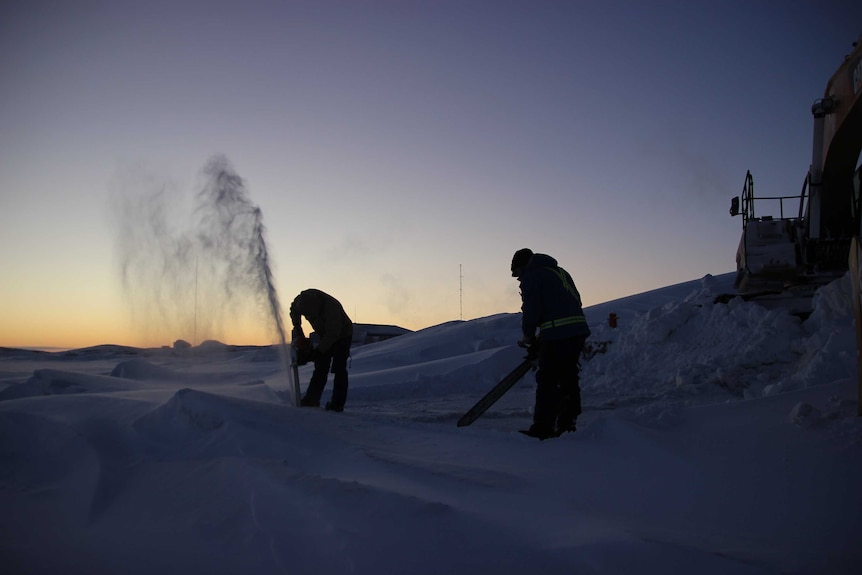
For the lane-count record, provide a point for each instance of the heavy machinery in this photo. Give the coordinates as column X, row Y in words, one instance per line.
column 784, row 257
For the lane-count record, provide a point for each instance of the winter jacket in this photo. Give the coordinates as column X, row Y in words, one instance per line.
column 325, row 315
column 550, row 301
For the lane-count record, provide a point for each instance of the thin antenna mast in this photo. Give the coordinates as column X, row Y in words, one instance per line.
column 461, row 291
column 195, row 336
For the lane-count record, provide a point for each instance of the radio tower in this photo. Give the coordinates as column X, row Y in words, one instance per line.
column 461, row 291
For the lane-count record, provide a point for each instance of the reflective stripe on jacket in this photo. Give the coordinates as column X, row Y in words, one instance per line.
column 572, row 319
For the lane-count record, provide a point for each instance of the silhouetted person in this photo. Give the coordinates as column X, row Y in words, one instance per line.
column 335, row 330
column 551, row 306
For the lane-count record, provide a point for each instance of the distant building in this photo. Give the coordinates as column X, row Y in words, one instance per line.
column 364, row 333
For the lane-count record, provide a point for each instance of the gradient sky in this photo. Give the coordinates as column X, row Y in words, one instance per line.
column 394, row 145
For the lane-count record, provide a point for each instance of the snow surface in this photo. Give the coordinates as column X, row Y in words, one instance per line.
column 715, row 439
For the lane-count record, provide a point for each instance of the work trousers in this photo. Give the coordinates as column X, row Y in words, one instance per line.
column 335, row 360
column 558, row 390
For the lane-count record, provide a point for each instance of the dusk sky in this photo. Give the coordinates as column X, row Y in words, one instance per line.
column 395, row 146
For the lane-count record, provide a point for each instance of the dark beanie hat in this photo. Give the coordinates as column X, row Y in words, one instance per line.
column 520, row 260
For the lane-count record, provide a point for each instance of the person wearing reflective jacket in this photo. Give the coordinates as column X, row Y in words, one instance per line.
column 554, row 330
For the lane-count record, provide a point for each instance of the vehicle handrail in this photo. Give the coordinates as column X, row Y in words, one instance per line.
column 748, row 200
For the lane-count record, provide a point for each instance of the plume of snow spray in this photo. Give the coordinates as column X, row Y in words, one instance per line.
column 188, row 271
column 231, row 231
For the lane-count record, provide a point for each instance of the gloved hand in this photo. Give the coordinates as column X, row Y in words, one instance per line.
column 302, row 344
column 527, row 342
column 530, row 344
column 297, row 333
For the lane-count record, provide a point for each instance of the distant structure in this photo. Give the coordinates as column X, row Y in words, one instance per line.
column 364, row 333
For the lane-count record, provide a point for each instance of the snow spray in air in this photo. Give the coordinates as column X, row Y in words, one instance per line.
column 232, row 231
column 194, row 268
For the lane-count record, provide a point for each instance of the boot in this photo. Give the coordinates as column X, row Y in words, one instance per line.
column 539, row 432
column 565, row 423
